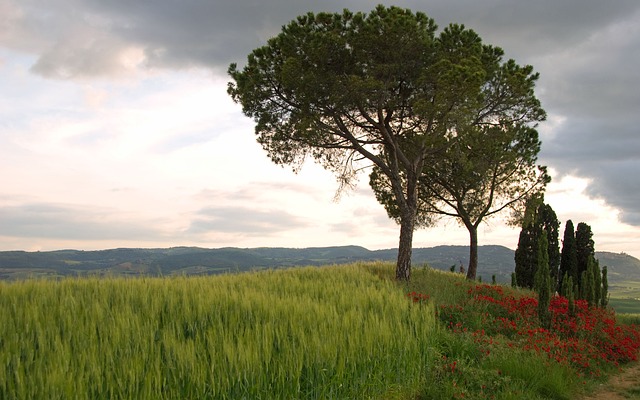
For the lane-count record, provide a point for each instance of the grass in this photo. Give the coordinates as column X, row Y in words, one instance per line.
column 625, row 297
column 625, row 305
column 336, row 332
column 491, row 345
column 629, row 319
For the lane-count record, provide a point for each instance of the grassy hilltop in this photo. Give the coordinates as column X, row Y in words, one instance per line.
column 312, row 333
column 498, row 261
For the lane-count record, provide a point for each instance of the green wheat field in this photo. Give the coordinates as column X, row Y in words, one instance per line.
column 331, row 332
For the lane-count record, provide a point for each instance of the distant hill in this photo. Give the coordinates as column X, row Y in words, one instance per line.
column 621, row 266
column 493, row 260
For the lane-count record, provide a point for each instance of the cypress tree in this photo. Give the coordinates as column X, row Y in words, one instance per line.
column 568, row 256
column 571, row 296
column 526, row 256
column 549, row 222
column 566, row 286
column 538, row 217
column 543, row 281
column 588, row 284
column 604, row 296
column 597, row 282
column 584, row 248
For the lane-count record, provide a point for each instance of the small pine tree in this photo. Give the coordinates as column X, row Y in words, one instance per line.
column 513, row 280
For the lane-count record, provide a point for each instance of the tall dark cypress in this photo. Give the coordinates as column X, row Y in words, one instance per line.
column 597, row 282
column 569, row 256
column 604, row 295
column 526, row 256
column 551, row 226
column 542, row 284
column 585, row 250
column 539, row 218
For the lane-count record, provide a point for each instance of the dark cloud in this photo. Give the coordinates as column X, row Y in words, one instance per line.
column 592, row 88
column 85, row 37
column 587, row 52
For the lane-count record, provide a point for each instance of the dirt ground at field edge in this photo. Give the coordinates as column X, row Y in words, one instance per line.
column 621, row 386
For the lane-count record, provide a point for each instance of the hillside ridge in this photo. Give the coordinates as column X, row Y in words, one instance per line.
column 493, row 260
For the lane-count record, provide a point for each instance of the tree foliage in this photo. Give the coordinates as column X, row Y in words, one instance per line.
column 543, row 280
column 597, row 281
column 580, row 267
column 551, row 225
column 604, row 295
column 526, row 256
column 585, row 248
column 568, row 256
column 538, row 218
column 383, row 90
column 487, row 162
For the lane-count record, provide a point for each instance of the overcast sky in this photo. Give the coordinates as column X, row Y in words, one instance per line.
column 116, row 129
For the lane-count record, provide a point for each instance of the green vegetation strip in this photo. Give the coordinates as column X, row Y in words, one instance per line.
column 332, row 332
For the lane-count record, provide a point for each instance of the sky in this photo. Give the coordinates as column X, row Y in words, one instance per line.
column 116, row 129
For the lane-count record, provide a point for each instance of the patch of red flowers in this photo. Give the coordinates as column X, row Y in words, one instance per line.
column 418, row 297
column 589, row 339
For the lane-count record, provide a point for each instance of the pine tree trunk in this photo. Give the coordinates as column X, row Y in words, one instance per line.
column 408, row 216
column 473, row 252
column 403, row 267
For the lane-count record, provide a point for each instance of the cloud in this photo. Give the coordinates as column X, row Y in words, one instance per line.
column 245, row 221
column 591, row 88
column 68, row 39
column 532, row 28
column 86, row 37
column 180, row 131
column 71, row 222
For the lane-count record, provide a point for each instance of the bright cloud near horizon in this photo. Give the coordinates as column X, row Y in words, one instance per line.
column 116, row 129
